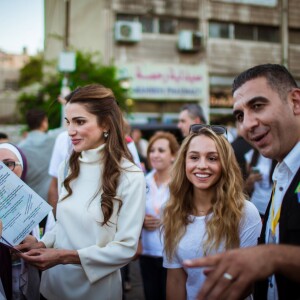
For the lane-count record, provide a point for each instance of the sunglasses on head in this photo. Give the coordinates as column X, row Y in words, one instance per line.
column 218, row 129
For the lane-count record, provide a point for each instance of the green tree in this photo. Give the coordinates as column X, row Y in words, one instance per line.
column 31, row 72
column 89, row 69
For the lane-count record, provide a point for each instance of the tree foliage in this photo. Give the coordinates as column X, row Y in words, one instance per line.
column 31, row 72
column 89, row 69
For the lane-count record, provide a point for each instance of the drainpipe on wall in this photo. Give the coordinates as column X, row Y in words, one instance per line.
column 284, row 33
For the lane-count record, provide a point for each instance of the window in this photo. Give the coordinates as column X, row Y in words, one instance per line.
column 219, row 30
column 11, row 84
column 268, row 34
column 147, row 24
column 244, row 32
column 158, row 24
column 294, row 36
column 167, row 26
column 121, row 17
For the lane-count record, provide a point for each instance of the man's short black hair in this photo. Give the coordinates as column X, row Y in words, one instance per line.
column 3, row 135
column 34, row 118
column 277, row 76
column 194, row 110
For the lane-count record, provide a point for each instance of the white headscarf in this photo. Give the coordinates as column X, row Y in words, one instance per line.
column 14, row 150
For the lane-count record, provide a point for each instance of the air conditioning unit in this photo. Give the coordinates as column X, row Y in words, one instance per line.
column 128, row 31
column 189, row 41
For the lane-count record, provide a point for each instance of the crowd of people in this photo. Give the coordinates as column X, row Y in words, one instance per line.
column 211, row 219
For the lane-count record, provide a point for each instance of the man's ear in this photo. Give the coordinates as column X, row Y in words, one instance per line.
column 197, row 120
column 295, row 97
column 45, row 124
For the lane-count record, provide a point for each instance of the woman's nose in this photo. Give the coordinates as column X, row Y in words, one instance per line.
column 202, row 163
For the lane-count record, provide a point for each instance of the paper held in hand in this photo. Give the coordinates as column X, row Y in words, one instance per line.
column 21, row 209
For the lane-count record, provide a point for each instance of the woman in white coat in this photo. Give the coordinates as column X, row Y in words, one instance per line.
column 101, row 205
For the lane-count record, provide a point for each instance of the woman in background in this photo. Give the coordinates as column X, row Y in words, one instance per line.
column 207, row 211
column 19, row 280
column 161, row 154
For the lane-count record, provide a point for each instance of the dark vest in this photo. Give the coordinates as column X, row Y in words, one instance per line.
column 289, row 233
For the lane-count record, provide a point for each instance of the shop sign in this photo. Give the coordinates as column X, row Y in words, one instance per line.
column 157, row 81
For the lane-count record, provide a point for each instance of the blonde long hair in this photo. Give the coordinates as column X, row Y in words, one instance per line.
column 227, row 204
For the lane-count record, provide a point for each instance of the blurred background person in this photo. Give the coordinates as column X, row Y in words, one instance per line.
column 241, row 147
column 140, row 142
column 61, row 151
column 3, row 137
column 190, row 114
column 20, row 280
column 259, row 182
column 161, row 154
column 37, row 147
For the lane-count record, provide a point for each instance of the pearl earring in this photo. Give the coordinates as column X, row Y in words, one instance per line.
column 105, row 134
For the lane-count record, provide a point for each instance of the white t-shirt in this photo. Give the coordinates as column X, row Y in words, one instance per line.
column 190, row 246
column 61, row 151
column 262, row 189
column 132, row 148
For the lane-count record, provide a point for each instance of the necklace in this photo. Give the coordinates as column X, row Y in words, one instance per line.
column 203, row 212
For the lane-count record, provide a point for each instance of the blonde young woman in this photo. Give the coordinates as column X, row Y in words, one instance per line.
column 207, row 211
column 161, row 153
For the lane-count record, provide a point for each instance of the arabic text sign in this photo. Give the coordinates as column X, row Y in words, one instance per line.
column 166, row 81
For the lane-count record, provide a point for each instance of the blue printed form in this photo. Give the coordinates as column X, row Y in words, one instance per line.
column 21, row 209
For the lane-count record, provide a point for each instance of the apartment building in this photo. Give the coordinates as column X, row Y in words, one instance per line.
column 10, row 65
column 171, row 52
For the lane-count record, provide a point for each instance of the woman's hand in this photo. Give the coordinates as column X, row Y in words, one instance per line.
column 29, row 243
column 151, row 222
column 250, row 181
column 47, row 258
column 139, row 250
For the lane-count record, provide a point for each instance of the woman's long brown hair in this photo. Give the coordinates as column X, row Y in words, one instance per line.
column 101, row 102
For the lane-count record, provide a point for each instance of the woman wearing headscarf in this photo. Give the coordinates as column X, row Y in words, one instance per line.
column 19, row 279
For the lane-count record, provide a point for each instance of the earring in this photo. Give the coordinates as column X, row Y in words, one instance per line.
column 105, row 134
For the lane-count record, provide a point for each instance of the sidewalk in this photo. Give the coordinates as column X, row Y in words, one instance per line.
column 136, row 292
